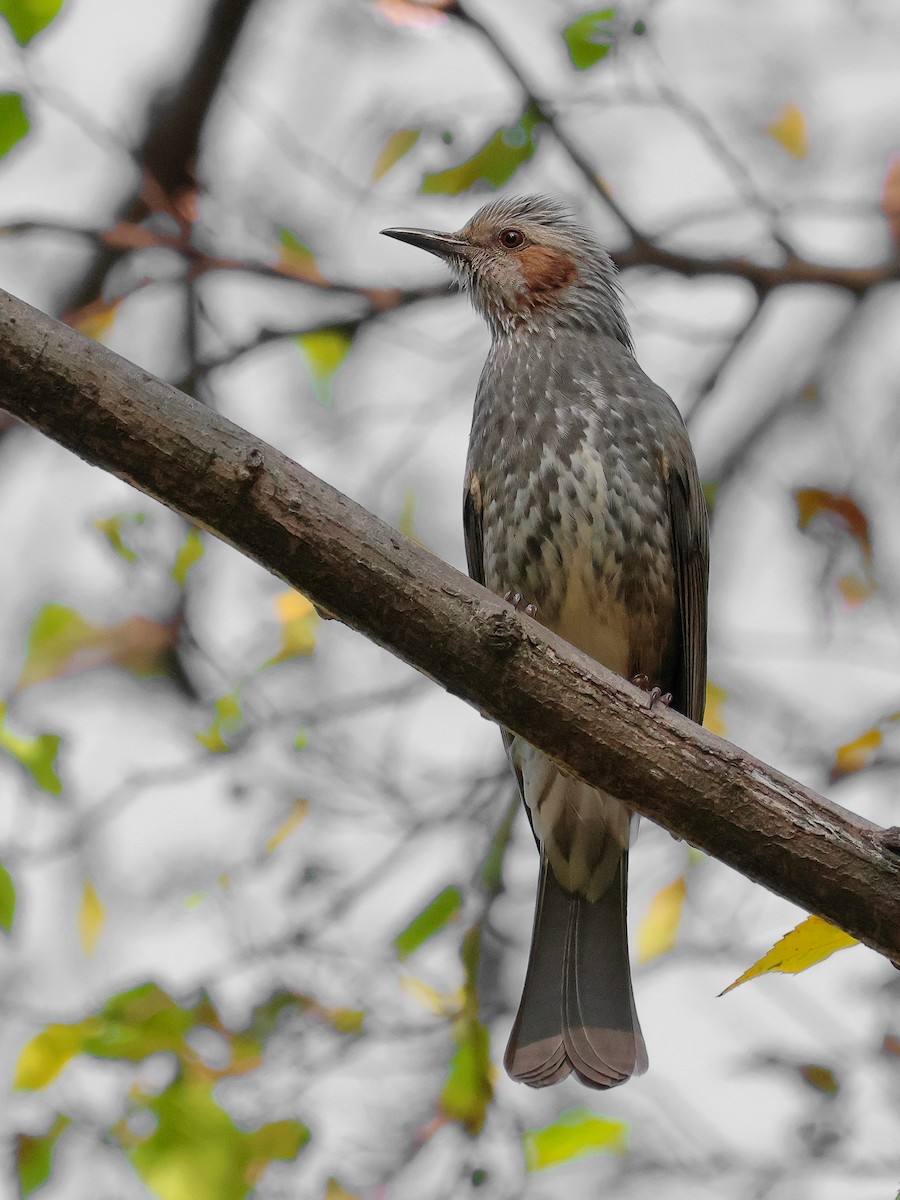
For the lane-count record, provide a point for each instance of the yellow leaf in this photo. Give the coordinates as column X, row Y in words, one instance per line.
column 660, row 926
column 823, row 1079
column 96, row 319
column 334, row 1191
column 299, row 620
column 298, row 815
column 856, row 755
column 441, row 1004
column 715, row 709
column 91, row 918
column 789, row 129
column 112, row 527
column 397, row 145
column 324, row 351
column 856, row 591
column 46, row 1055
column 191, row 551
column 227, row 723
column 811, row 942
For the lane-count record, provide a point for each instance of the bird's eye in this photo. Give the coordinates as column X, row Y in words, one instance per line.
column 511, row 239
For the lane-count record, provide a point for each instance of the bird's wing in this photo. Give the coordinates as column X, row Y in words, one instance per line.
column 690, row 547
column 472, row 525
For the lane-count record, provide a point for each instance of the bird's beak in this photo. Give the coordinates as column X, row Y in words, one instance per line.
column 444, row 245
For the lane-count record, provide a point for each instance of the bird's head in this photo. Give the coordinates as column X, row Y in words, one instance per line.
column 528, row 266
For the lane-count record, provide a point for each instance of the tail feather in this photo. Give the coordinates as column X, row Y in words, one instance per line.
column 577, row 1010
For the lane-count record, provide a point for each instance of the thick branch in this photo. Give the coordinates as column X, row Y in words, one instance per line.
column 704, row 789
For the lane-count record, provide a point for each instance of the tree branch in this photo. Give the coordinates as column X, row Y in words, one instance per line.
column 704, row 789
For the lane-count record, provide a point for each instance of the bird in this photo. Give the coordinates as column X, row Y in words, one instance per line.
column 582, row 505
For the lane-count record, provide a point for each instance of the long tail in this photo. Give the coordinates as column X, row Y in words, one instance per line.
column 577, row 1011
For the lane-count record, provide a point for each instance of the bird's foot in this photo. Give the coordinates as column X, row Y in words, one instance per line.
column 517, row 601
column 657, row 695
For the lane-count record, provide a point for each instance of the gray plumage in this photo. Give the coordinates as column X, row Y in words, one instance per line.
column 582, row 496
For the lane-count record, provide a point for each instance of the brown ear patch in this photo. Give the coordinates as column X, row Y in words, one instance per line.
column 546, row 271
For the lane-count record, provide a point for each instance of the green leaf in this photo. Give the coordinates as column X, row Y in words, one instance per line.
column 588, row 40
column 61, row 642
column 197, row 1152
column 468, row 1088
column 576, row 1133
column 191, row 551
column 28, row 17
column 324, row 351
column 228, row 720
column 111, row 527
column 296, row 258
column 397, row 145
column 14, row 123
column 34, row 1155
column 57, row 633
column 132, row 1026
column 496, row 162
column 442, row 909
column 37, row 755
column 468, row 1091
column 7, row 899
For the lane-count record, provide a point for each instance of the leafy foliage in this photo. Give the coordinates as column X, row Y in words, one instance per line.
column 36, row 754
column 496, row 162
column 590, row 38
column 297, row 259
column 227, row 722
column 659, row 928
column 576, row 1133
column 14, row 123
column 397, row 145
column 61, row 642
column 34, row 1155
column 91, row 918
column 789, row 130
column 864, row 750
column 299, row 621
column 324, row 351
column 7, row 900
column 193, row 1147
column 469, row 1088
column 810, row 943
column 197, row 1152
column 189, row 554
column 28, row 17
column 111, row 528
column 442, row 909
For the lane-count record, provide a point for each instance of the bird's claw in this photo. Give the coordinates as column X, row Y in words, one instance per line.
column 516, row 600
column 657, row 695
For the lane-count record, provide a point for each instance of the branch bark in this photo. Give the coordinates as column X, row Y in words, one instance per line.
column 702, row 788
